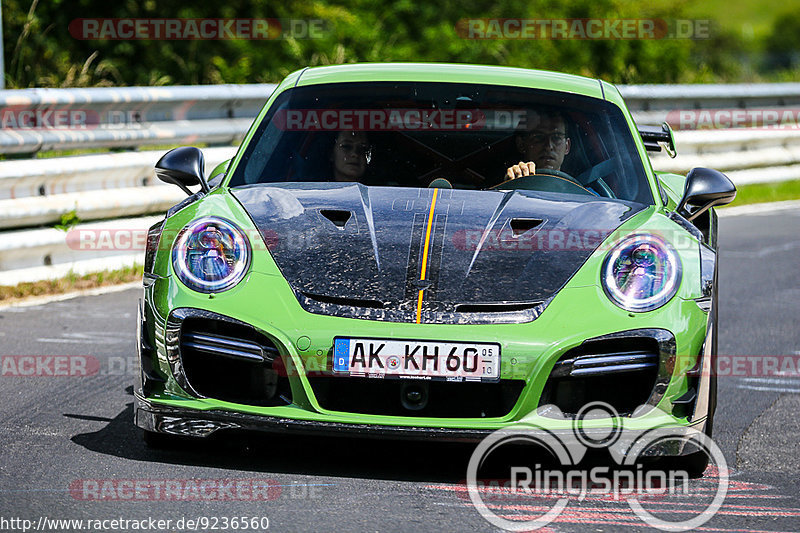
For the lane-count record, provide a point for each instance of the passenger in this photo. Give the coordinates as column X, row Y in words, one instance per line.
column 350, row 155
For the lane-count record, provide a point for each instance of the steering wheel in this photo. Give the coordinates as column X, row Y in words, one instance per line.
column 558, row 182
column 557, row 174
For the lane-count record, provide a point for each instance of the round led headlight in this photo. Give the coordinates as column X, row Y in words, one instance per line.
column 211, row 255
column 641, row 273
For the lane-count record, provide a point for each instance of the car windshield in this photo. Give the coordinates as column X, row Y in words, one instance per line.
column 465, row 136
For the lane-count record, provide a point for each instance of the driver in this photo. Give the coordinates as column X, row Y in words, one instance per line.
column 543, row 146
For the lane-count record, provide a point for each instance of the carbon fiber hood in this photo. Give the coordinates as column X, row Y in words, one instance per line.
column 351, row 250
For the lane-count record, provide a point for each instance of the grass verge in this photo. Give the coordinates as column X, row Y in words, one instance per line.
column 758, row 193
column 69, row 283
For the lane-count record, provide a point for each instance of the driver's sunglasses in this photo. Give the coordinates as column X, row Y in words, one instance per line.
column 355, row 148
column 556, row 138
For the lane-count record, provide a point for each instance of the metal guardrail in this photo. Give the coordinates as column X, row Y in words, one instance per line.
column 710, row 96
column 47, row 253
column 112, row 185
column 220, row 114
column 39, row 191
column 127, row 117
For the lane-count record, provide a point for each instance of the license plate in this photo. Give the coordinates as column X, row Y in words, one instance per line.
column 383, row 358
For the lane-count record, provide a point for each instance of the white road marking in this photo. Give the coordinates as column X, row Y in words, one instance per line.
column 790, row 381
column 763, row 252
column 759, row 209
column 91, row 334
column 78, row 341
column 769, row 389
column 87, row 338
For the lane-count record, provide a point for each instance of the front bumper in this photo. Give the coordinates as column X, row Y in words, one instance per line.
column 166, row 403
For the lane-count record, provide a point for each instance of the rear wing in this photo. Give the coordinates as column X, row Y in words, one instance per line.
column 656, row 136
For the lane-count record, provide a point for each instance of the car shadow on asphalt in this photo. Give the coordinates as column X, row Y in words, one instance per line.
column 400, row 460
column 425, row 460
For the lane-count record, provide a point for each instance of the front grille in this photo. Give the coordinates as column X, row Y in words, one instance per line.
column 424, row 398
column 622, row 370
column 230, row 361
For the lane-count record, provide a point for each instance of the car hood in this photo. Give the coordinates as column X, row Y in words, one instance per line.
column 352, row 250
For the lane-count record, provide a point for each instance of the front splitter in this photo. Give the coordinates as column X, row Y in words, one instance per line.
column 194, row 423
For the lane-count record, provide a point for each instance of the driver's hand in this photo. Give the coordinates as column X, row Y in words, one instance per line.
column 521, row 169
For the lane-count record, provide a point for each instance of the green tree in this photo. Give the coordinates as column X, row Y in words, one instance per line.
column 41, row 50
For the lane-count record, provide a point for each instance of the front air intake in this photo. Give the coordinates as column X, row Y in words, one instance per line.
column 233, row 362
column 623, row 370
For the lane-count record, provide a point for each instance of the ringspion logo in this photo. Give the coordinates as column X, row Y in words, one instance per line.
column 552, row 487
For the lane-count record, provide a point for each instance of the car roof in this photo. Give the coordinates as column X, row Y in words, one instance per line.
column 450, row 73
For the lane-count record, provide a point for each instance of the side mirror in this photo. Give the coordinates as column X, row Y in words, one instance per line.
column 705, row 188
column 183, row 167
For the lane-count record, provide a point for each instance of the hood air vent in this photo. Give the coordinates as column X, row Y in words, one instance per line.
column 337, row 216
column 523, row 225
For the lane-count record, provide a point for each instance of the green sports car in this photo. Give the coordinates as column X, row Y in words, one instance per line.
column 431, row 251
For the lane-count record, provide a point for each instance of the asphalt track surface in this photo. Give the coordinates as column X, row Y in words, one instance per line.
column 61, row 434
